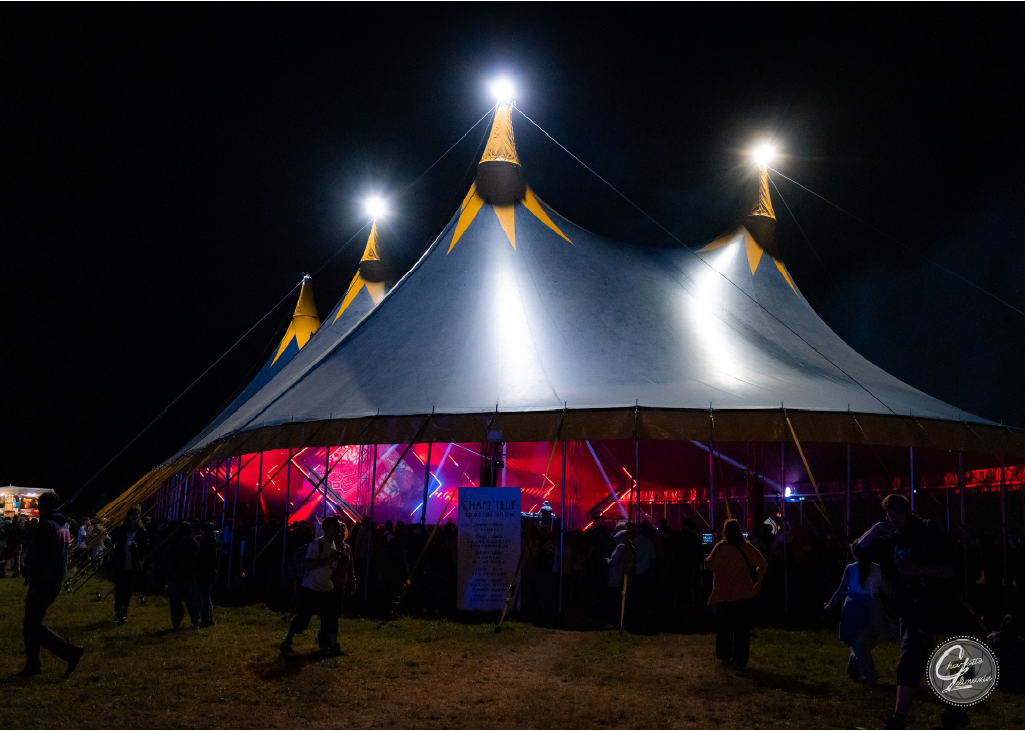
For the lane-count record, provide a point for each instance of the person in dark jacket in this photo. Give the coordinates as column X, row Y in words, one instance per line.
column 182, row 567
column 44, row 576
column 129, row 544
column 206, row 573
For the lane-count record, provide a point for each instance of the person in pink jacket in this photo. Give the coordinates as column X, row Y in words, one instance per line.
column 738, row 569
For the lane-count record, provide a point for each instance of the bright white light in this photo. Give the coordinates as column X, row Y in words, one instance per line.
column 786, row 492
column 375, row 207
column 764, row 154
column 502, row 90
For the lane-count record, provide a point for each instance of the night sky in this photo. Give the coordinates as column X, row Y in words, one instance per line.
column 171, row 171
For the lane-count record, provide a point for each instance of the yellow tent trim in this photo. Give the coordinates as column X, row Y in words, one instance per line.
column 501, row 144
column 719, row 242
column 305, row 320
column 534, row 206
column 507, row 217
column 354, row 287
column 370, row 253
column 754, row 252
column 471, row 206
column 763, row 203
column 786, row 274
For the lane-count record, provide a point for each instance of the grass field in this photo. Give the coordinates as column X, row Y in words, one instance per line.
column 423, row 674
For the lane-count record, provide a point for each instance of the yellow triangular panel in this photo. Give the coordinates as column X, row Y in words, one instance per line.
column 370, row 253
column 507, row 217
column 754, row 252
column 471, row 205
column 501, row 144
column 719, row 242
column 305, row 320
column 534, row 206
column 354, row 287
column 763, row 203
column 786, row 274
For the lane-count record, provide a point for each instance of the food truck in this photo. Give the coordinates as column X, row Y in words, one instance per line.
column 21, row 501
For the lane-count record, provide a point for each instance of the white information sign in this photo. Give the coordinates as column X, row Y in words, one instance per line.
column 489, row 545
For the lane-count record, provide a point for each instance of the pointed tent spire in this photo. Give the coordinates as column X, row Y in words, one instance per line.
column 760, row 219
column 500, row 183
column 371, row 274
column 501, row 144
column 305, row 320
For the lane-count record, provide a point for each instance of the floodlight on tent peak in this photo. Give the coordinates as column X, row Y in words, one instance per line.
column 502, row 90
column 764, row 154
column 375, row 206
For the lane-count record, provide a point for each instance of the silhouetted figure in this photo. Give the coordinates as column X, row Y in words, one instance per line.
column 44, row 575
column 862, row 618
column 206, row 573
column 732, row 562
column 316, row 591
column 919, row 560
column 182, row 565
column 129, row 546
column 1009, row 648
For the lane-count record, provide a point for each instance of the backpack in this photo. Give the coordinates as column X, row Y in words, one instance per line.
column 296, row 567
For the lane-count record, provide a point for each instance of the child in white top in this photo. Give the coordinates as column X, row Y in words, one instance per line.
column 862, row 618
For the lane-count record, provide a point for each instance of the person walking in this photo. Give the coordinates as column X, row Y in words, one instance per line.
column 182, row 564
column 128, row 549
column 44, row 575
column 207, row 567
column 919, row 559
column 316, row 590
column 862, row 618
column 738, row 570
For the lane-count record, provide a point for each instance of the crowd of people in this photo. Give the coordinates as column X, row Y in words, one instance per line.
column 899, row 579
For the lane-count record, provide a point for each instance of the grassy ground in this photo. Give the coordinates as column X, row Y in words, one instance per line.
column 422, row 674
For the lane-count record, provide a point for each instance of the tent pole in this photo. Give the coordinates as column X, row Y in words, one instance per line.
column 962, row 484
column 1003, row 532
column 637, row 475
column 786, row 528
column 288, row 497
column 562, row 527
column 427, row 484
column 256, row 523
column 323, row 484
column 370, row 543
column 234, row 512
column 911, row 467
column 224, row 500
column 847, row 509
column 711, row 490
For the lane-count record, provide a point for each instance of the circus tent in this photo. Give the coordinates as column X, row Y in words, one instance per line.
column 668, row 370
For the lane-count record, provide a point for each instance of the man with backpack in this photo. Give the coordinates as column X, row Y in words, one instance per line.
column 321, row 586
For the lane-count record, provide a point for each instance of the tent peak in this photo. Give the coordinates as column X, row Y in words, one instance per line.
column 499, row 174
column 759, row 218
column 305, row 320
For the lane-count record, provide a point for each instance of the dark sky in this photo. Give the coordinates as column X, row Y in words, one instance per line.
column 172, row 170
